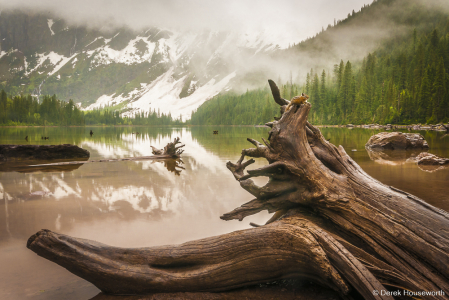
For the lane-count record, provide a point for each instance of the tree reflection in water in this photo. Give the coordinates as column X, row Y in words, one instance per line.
column 173, row 164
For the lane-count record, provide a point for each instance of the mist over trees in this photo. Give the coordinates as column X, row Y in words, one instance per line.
column 405, row 81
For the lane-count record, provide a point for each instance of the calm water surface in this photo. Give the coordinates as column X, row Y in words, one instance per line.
column 148, row 203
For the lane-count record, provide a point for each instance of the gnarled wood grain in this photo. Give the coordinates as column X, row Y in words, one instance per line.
column 334, row 224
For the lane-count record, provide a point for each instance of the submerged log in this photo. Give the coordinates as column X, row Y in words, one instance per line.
column 334, row 225
column 41, row 152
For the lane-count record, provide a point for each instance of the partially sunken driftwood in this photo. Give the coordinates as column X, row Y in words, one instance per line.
column 170, row 151
column 334, row 224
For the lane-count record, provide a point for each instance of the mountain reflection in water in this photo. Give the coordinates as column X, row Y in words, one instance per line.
column 148, row 203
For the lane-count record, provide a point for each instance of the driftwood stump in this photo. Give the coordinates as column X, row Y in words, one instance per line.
column 334, row 224
column 171, row 150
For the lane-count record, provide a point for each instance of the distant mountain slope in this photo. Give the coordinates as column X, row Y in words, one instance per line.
column 364, row 31
column 154, row 69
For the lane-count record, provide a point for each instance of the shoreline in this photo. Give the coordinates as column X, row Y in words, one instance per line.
column 439, row 127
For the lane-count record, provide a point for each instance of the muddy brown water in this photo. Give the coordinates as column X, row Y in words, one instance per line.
column 149, row 203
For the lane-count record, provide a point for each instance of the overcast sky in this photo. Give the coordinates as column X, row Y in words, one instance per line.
column 295, row 19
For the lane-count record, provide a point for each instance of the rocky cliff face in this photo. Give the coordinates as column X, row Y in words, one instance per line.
column 153, row 69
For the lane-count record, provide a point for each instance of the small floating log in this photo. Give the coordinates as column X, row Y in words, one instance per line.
column 102, row 160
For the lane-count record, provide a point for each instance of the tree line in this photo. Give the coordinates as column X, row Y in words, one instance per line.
column 28, row 110
column 406, row 84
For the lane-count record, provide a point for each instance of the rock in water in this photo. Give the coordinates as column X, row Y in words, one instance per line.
column 397, row 140
column 26, row 152
column 425, row 158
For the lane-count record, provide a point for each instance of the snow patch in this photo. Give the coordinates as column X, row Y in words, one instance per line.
column 163, row 94
column 106, row 55
column 103, row 101
column 50, row 24
column 25, row 63
column 57, row 60
column 61, row 63
column 97, row 38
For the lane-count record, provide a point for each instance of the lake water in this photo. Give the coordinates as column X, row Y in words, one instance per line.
column 149, row 203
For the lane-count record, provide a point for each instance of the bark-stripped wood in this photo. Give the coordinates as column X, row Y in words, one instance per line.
column 334, row 224
column 171, row 150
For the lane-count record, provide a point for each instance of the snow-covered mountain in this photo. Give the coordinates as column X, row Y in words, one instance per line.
column 154, row 69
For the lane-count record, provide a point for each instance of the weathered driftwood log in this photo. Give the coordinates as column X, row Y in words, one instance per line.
column 334, row 224
column 41, row 152
column 171, row 150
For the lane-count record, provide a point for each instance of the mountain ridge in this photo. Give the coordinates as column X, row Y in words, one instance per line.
column 46, row 56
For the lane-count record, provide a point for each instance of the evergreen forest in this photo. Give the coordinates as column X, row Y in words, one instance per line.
column 28, row 110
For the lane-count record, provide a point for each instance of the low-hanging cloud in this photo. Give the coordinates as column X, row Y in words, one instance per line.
column 286, row 21
column 295, row 20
